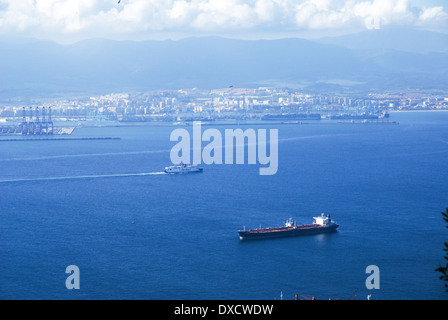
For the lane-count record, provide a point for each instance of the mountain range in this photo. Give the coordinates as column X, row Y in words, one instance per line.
column 374, row 60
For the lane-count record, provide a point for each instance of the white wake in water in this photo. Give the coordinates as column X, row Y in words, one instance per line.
column 85, row 177
column 83, row 155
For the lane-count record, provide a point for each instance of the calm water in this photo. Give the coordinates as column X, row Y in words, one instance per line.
column 175, row 236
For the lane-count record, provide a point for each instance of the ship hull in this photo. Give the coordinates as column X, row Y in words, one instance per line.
column 182, row 169
column 284, row 232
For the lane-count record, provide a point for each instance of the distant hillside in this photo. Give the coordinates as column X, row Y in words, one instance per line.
column 415, row 41
column 40, row 68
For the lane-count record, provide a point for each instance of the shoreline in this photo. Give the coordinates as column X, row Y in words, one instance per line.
column 60, row 139
column 418, row 111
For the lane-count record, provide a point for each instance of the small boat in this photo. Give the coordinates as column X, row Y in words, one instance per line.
column 183, row 168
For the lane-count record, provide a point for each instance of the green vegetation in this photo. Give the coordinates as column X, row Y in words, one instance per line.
column 444, row 270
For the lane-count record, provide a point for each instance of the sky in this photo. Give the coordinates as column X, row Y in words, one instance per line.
column 67, row 21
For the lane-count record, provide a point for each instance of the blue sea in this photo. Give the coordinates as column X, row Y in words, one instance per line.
column 136, row 233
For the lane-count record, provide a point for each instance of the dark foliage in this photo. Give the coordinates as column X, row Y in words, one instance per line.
column 441, row 269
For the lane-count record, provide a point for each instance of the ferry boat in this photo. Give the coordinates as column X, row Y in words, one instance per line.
column 321, row 224
column 183, row 168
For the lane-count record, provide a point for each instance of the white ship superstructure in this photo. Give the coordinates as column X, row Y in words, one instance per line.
column 183, row 168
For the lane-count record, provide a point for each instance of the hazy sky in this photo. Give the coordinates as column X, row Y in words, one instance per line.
column 72, row 20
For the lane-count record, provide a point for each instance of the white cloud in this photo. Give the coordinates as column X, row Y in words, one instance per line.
column 433, row 18
column 147, row 18
column 434, row 13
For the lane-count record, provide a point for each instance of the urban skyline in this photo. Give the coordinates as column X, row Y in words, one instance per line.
column 225, row 103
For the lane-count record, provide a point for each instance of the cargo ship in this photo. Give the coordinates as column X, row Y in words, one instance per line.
column 382, row 115
column 321, row 224
column 183, row 168
column 292, row 116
